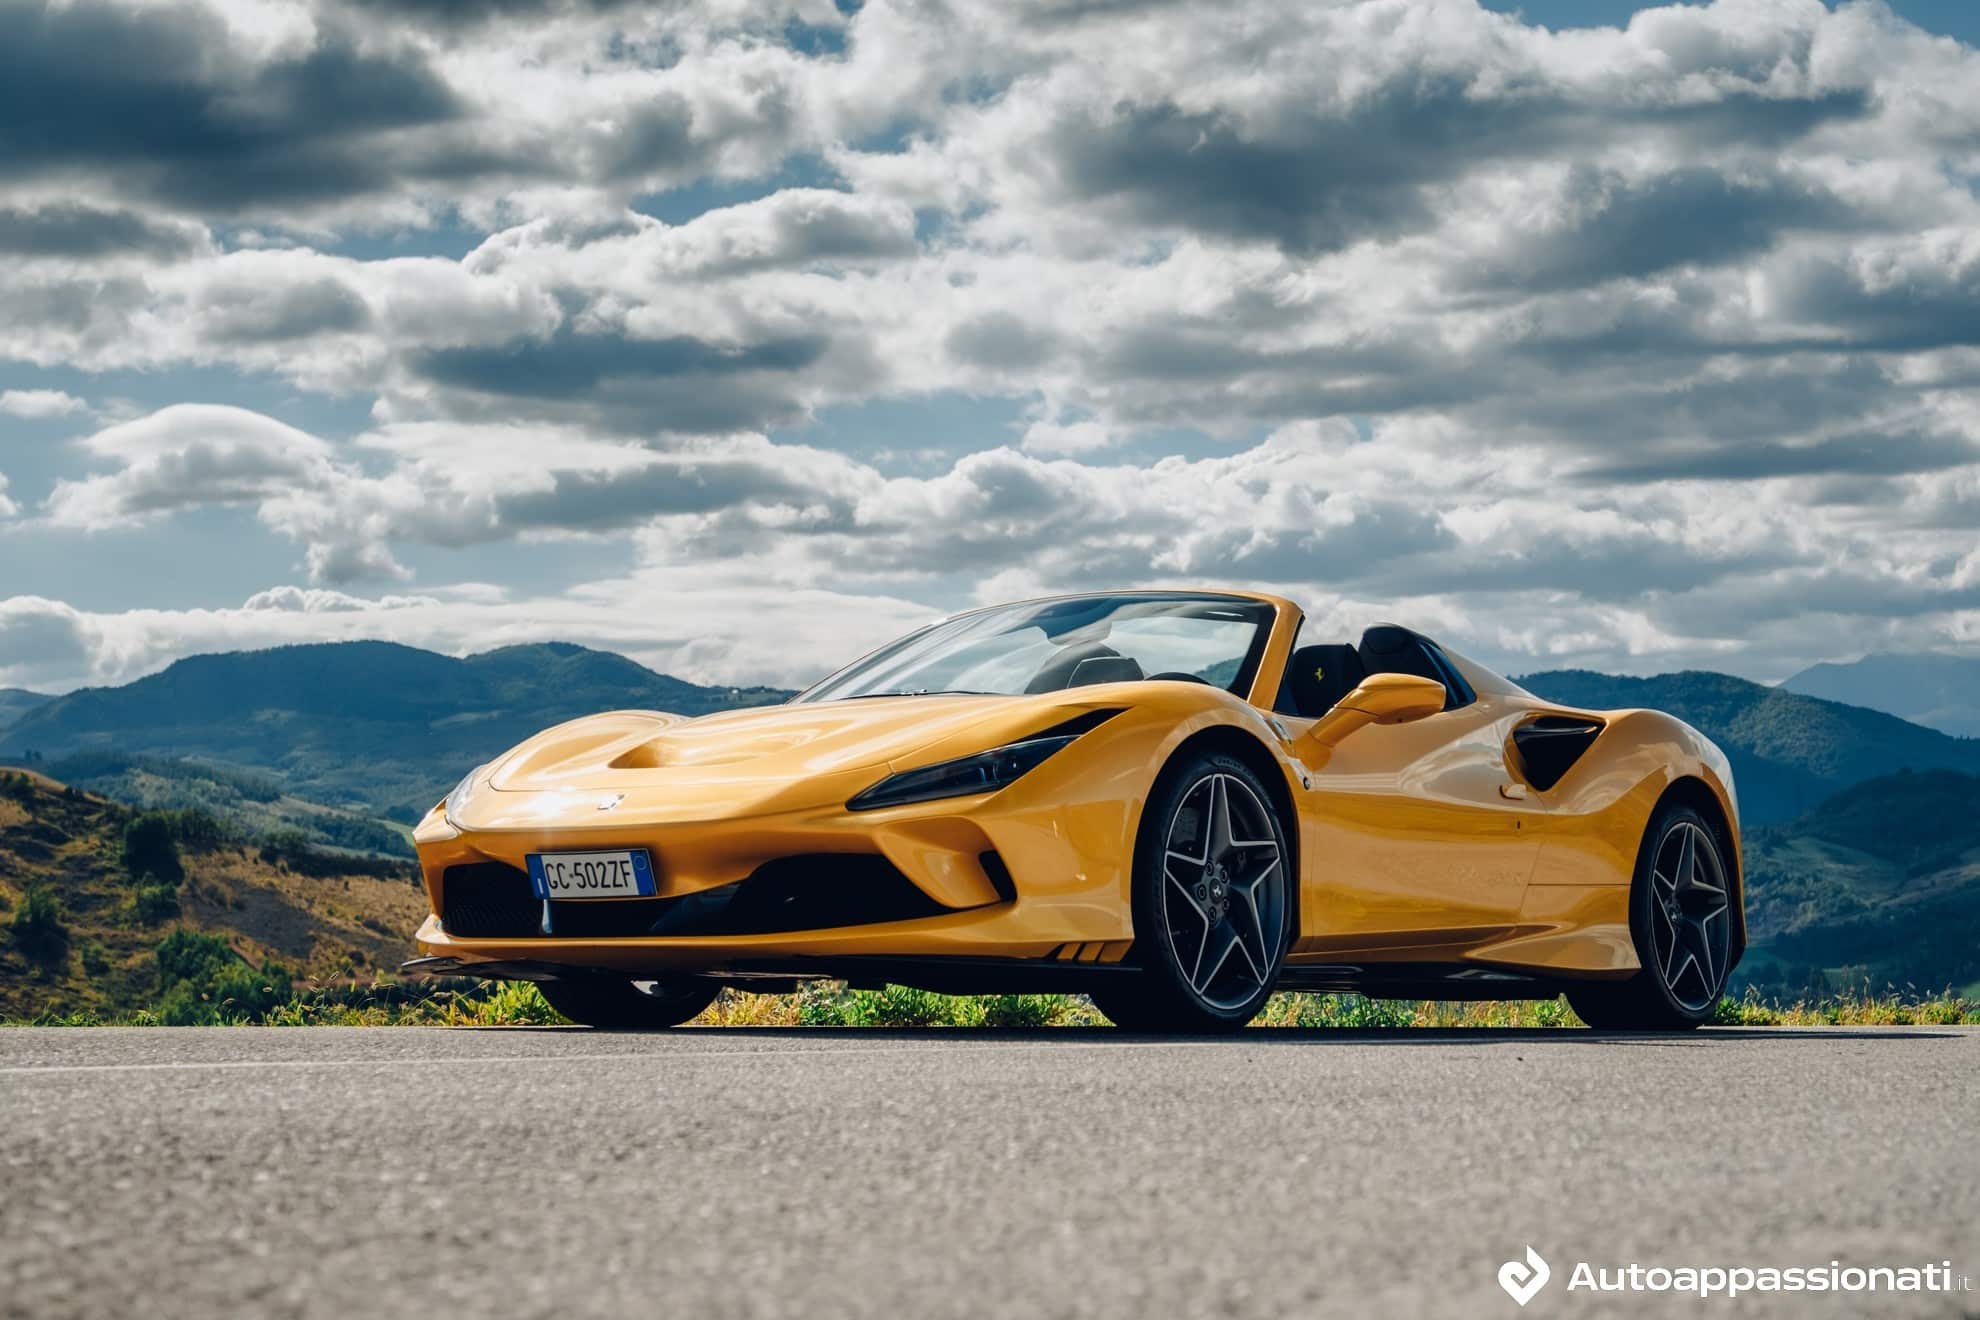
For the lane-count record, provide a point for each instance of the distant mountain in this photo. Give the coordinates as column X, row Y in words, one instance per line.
column 372, row 727
column 1878, row 886
column 1788, row 751
column 1939, row 691
column 16, row 702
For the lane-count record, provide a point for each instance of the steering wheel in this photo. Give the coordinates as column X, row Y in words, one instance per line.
column 1177, row 676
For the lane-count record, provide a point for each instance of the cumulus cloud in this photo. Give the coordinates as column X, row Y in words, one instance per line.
column 40, row 405
column 1630, row 345
column 186, row 456
column 706, row 626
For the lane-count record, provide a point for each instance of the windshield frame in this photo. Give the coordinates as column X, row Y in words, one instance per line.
column 1241, row 685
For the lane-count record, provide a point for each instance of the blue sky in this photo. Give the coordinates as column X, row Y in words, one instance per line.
column 740, row 337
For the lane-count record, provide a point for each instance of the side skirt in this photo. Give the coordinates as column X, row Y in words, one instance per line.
column 1398, row 980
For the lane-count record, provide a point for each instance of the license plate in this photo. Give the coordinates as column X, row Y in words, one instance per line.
column 627, row 874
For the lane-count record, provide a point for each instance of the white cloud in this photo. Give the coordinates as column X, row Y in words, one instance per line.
column 705, row 626
column 39, row 405
column 1045, row 437
column 186, row 456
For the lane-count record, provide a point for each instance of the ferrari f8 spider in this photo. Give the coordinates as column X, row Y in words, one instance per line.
column 1175, row 802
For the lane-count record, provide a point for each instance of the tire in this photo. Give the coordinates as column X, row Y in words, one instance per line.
column 1680, row 918
column 1209, row 888
column 609, row 1001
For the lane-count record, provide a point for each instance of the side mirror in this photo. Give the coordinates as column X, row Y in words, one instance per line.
column 1378, row 699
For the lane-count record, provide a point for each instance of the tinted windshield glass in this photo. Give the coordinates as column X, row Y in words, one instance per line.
column 1071, row 642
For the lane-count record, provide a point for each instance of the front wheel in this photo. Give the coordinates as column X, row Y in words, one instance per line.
column 1681, row 919
column 1212, row 903
column 609, row 1001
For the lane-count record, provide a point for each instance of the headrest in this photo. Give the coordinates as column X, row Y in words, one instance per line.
column 1388, row 648
column 1058, row 671
column 1319, row 676
column 1105, row 669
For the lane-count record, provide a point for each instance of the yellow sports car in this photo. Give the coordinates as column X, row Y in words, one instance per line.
column 1175, row 802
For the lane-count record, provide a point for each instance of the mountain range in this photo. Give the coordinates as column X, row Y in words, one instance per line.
column 16, row 702
column 1931, row 688
column 376, row 729
column 373, row 728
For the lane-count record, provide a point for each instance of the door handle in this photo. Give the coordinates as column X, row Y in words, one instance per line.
column 1513, row 792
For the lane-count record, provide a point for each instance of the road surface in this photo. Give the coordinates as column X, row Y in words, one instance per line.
column 491, row 1173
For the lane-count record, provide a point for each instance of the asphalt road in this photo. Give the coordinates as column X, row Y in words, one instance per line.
column 494, row 1173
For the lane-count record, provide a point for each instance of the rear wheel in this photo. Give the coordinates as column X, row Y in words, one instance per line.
column 1681, row 919
column 610, row 1001
column 1212, row 907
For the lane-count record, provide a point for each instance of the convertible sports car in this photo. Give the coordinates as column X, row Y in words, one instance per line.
column 1173, row 801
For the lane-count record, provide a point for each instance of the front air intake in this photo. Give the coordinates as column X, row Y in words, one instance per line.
column 810, row 891
column 489, row 900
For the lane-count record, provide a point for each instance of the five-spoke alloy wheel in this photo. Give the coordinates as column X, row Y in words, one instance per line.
column 1212, row 905
column 1681, row 917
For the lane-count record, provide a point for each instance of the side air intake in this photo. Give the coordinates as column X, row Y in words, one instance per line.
column 1549, row 746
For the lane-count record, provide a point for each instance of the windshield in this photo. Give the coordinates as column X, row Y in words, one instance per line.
column 1073, row 641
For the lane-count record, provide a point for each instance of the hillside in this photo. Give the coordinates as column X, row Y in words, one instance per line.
column 16, row 702
column 1789, row 752
column 1878, row 885
column 253, row 803
column 1936, row 690
column 327, row 919
column 372, row 728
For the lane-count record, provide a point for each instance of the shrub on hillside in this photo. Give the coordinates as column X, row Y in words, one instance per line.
column 95, row 958
column 204, row 982
column 37, row 925
column 199, row 829
column 151, row 848
column 187, row 955
column 155, row 904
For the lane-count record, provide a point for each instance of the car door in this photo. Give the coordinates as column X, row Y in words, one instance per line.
column 1414, row 836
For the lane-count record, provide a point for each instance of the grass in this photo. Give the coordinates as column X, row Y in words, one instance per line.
column 467, row 1003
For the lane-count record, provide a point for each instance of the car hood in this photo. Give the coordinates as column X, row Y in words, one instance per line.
column 763, row 759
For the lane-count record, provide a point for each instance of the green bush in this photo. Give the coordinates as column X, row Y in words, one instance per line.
column 1025, row 1010
column 151, row 848
column 204, row 982
column 37, row 926
column 95, row 958
column 188, row 955
column 900, row 1006
column 154, row 903
column 199, row 829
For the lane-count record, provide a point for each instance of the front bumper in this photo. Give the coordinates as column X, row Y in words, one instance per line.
column 1036, row 873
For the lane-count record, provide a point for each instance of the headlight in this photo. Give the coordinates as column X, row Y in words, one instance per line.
column 985, row 772
column 458, row 798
